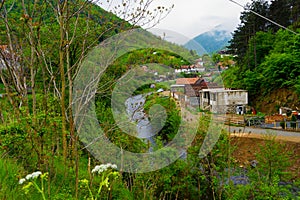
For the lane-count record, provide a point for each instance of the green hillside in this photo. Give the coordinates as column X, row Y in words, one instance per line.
column 267, row 56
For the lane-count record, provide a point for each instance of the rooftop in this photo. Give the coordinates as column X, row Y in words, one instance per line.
column 181, row 81
column 221, row 90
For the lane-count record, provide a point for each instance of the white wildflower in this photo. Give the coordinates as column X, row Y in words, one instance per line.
column 103, row 167
column 33, row 175
column 108, row 165
column 114, row 166
column 97, row 167
column 36, row 174
column 21, row 181
column 29, row 176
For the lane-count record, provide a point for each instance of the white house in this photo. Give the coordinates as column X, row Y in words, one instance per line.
column 221, row 100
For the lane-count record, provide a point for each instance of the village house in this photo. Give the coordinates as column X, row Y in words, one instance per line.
column 199, row 63
column 221, row 100
column 190, row 69
column 187, row 89
column 197, row 92
column 223, row 65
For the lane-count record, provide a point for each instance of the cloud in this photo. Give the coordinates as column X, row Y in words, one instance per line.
column 193, row 17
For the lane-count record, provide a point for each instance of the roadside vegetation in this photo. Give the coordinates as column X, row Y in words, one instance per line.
column 267, row 55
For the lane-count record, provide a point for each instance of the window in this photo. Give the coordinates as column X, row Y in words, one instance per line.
column 213, row 97
column 206, row 95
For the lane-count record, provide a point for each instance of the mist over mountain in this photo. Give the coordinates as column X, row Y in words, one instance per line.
column 210, row 42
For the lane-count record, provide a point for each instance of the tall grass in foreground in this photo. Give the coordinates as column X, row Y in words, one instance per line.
column 9, row 187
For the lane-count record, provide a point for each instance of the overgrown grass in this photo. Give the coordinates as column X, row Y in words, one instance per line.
column 59, row 184
column 9, row 175
column 2, row 88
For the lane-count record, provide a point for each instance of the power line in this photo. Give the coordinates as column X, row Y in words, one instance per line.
column 273, row 22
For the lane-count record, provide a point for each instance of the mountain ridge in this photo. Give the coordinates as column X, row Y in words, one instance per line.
column 210, row 42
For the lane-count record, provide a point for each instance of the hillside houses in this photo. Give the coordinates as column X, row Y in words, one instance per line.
column 190, row 69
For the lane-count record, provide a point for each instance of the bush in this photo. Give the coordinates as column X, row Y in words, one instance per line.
column 12, row 140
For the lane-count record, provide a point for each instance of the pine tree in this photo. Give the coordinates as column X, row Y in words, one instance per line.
column 250, row 24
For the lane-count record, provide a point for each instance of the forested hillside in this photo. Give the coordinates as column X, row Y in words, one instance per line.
column 267, row 54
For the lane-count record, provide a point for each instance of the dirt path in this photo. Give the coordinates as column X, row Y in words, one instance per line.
column 263, row 133
column 264, row 136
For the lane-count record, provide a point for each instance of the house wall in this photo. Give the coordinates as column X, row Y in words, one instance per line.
column 194, row 101
column 230, row 97
column 223, row 101
column 192, row 90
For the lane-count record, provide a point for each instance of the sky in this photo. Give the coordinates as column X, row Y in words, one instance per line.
column 189, row 18
column 193, row 17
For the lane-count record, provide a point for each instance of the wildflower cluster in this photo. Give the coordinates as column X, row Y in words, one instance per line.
column 106, row 177
column 34, row 175
column 32, row 182
column 103, row 167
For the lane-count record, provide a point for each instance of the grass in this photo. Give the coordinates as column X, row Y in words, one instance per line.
column 2, row 88
column 61, row 185
column 9, row 177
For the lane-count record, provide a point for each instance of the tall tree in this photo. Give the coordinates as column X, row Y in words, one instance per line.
column 259, row 46
column 250, row 24
column 280, row 12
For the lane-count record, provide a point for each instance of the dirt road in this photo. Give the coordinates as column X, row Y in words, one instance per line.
column 251, row 132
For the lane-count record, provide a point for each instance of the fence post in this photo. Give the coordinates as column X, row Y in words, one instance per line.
column 285, row 125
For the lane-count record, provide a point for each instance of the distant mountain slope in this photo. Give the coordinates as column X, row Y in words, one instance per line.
column 102, row 25
column 209, row 42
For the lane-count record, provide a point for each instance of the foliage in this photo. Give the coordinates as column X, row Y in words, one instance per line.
column 250, row 24
column 282, row 124
column 115, row 134
column 173, row 120
column 266, row 178
column 107, row 176
column 31, row 182
column 273, row 159
column 267, row 56
column 13, row 139
column 273, row 65
column 9, row 189
column 297, row 86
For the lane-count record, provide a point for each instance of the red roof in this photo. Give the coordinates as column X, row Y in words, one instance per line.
column 184, row 81
column 210, row 85
column 187, row 67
